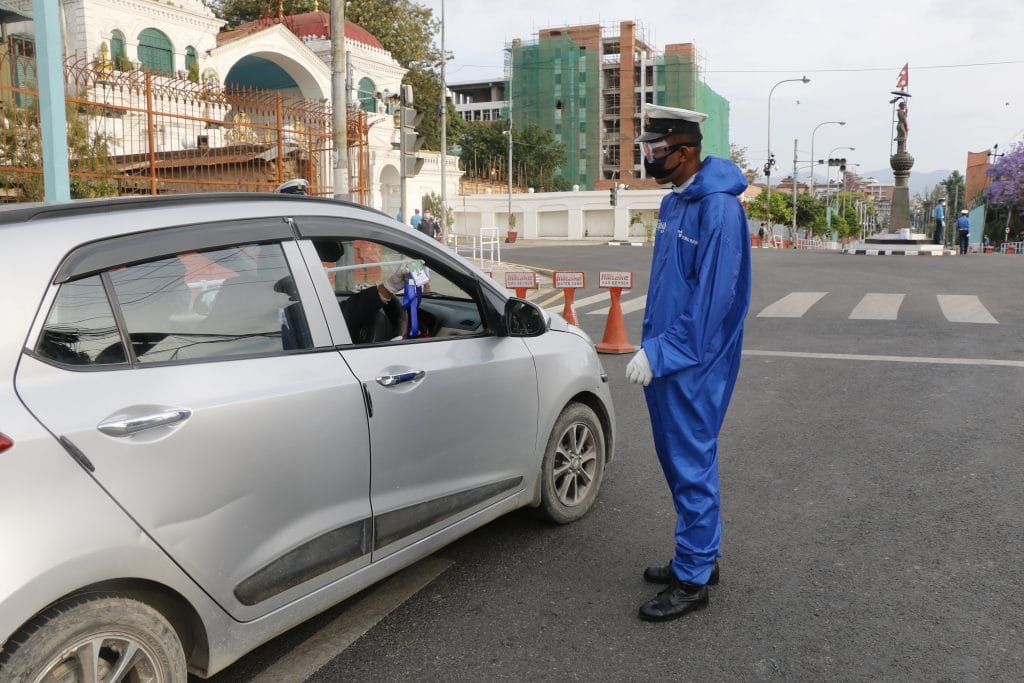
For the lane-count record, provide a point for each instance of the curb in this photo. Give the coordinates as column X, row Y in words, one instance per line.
column 897, row 252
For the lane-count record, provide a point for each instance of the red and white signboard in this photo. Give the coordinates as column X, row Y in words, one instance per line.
column 568, row 279
column 619, row 279
column 520, row 279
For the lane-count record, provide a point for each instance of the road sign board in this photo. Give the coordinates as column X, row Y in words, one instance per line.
column 520, row 279
column 567, row 278
column 616, row 278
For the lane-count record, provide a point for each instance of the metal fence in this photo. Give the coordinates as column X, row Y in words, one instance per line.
column 132, row 132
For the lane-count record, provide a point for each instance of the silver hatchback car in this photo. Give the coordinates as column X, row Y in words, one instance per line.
column 222, row 414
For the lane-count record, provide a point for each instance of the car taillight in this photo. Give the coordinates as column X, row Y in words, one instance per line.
column 5, row 443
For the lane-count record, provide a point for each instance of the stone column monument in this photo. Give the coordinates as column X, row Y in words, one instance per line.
column 901, row 163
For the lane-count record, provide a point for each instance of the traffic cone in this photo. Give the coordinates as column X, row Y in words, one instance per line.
column 569, row 311
column 615, row 340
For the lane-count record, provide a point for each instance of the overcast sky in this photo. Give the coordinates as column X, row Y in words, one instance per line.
column 852, row 52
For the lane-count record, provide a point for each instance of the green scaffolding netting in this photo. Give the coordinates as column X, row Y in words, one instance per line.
column 556, row 84
column 678, row 83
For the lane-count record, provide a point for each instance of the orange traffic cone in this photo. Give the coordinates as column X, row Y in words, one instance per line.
column 569, row 311
column 615, row 340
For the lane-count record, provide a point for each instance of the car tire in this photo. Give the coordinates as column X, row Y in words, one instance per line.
column 573, row 465
column 59, row 643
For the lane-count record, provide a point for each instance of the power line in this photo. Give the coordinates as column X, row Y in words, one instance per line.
column 854, row 69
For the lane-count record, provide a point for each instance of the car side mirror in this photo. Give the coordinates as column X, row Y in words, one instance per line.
column 524, row 318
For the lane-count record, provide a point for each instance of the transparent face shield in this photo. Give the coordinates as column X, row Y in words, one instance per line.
column 657, row 150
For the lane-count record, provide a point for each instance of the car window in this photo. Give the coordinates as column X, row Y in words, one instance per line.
column 370, row 279
column 80, row 328
column 220, row 303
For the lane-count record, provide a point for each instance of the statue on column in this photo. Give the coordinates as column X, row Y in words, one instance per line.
column 902, row 129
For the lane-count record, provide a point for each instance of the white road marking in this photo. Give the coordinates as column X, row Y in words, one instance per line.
column 878, row 307
column 636, row 304
column 887, row 359
column 586, row 301
column 329, row 641
column 960, row 308
column 793, row 305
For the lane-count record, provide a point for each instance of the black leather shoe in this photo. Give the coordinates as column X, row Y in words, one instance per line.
column 677, row 599
column 664, row 574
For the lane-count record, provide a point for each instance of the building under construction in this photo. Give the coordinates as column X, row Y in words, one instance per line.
column 587, row 84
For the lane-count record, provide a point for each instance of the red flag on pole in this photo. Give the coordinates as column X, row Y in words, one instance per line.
column 904, row 77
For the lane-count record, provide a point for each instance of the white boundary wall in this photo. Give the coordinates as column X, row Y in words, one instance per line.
column 577, row 215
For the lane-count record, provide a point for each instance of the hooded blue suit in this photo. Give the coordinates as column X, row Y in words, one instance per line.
column 693, row 335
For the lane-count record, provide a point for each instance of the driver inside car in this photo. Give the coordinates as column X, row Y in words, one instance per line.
column 375, row 313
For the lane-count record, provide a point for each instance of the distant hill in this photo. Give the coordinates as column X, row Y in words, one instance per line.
column 920, row 181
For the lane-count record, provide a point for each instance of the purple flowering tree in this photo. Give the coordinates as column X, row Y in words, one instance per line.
column 1007, row 186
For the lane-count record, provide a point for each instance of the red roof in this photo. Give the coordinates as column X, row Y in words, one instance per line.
column 315, row 24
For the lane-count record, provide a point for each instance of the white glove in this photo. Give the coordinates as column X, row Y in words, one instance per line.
column 396, row 281
column 638, row 371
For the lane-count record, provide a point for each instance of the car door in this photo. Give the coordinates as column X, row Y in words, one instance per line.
column 225, row 425
column 453, row 426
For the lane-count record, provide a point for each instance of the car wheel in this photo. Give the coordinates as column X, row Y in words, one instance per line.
column 573, row 465
column 95, row 637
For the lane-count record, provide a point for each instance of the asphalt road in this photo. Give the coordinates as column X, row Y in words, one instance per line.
column 873, row 500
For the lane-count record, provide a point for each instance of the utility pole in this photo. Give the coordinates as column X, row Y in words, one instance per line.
column 443, row 218
column 511, row 65
column 339, row 100
column 792, row 236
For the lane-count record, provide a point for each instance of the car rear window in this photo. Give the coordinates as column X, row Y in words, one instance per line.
column 80, row 328
column 215, row 304
column 221, row 303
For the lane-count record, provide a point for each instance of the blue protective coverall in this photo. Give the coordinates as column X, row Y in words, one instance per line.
column 963, row 227
column 693, row 335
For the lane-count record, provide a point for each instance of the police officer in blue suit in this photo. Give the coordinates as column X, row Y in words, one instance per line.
column 692, row 338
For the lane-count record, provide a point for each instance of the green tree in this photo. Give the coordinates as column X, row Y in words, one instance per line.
column 237, row 12
column 482, row 147
column 88, row 155
column 537, row 155
column 781, row 208
column 810, row 213
column 432, row 203
column 955, row 188
column 845, row 214
column 738, row 155
column 406, row 30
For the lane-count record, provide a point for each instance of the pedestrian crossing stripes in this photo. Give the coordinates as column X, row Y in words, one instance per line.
column 878, row 307
column 955, row 308
column 793, row 305
column 964, row 309
column 629, row 306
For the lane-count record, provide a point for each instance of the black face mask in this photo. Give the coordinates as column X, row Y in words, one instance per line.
column 656, row 169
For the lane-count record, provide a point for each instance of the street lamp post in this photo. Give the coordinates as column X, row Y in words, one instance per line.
column 828, row 184
column 770, row 162
column 813, row 160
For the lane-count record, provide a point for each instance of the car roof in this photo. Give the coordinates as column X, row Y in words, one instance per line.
column 23, row 213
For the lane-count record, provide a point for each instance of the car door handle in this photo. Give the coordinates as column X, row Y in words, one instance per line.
column 401, row 378
column 126, row 426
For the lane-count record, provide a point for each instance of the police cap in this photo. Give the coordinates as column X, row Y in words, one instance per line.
column 660, row 122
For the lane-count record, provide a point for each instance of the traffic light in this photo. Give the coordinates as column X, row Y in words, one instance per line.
column 613, row 195
column 841, row 163
column 409, row 141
